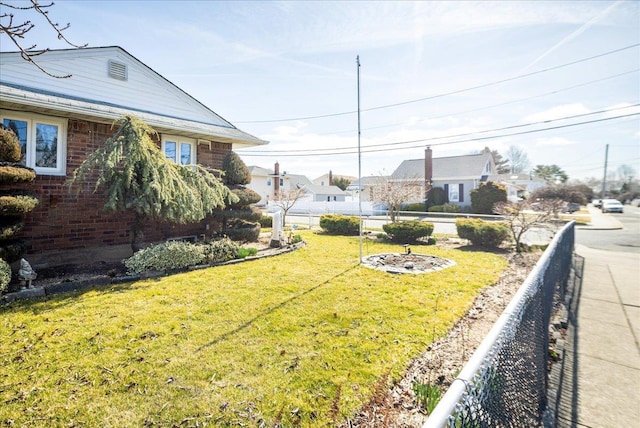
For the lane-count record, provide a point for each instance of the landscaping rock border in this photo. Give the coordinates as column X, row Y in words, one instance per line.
column 101, row 280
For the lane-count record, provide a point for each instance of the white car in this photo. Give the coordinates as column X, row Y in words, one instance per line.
column 612, row 206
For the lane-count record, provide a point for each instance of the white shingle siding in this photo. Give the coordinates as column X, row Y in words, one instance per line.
column 143, row 90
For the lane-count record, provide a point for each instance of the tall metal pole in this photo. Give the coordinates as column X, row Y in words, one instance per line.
column 604, row 179
column 359, row 165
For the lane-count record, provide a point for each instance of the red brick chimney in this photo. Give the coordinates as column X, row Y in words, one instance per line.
column 428, row 165
column 276, row 178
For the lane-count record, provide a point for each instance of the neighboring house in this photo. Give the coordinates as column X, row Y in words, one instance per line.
column 325, row 193
column 519, row 186
column 60, row 121
column 457, row 175
column 364, row 187
column 268, row 183
column 327, row 179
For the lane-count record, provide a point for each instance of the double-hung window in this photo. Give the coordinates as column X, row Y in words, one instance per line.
column 179, row 149
column 43, row 141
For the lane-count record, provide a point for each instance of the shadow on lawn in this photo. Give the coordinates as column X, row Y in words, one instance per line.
column 247, row 324
column 67, row 293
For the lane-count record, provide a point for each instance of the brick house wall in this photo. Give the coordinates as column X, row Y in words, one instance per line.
column 67, row 220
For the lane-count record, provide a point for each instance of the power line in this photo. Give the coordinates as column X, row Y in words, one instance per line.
column 493, row 105
column 459, row 91
column 351, row 151
column 317, row 151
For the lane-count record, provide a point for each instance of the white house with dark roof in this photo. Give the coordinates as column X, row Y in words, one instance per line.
column 457, row 175
column 325, row 193
column 268, row 182
column 519, row 186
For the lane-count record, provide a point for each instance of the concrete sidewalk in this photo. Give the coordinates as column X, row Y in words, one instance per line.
column 600, row 221
column 600, row 378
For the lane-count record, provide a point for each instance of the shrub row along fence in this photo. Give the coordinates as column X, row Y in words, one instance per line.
column 504, row 384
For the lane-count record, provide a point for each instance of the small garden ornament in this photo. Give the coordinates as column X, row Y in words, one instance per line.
column 26, row 274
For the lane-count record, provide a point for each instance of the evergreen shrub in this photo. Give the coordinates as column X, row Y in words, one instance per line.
column 9, row 146
column 436, row 209
column 242, row 231
column 15, row 173
column 436, row 196
column 166, row 256
column 450, row 208
column 220, row 251
column 338, row 224
column 415, row 207
column 486, row 196
column 405, row 232
column 266, row 221
column 482, row 233
column 11, row 227
column 13, row 250
column 17, row 204
column 5, row 276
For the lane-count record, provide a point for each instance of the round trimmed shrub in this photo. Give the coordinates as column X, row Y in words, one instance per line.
column 482, row 233
column 17, row 204
column 406, row 232
column 245, row 196
column 338, row 224
column 5, row 275
column 11, row 227
column 11, row 173
column 9, row 146
column 242, row 231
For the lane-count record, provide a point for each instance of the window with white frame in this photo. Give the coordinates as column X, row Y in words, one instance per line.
column 43, row 141
column 454, row 193
column 179, row 149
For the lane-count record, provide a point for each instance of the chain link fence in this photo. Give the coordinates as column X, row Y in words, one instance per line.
column 504, row 384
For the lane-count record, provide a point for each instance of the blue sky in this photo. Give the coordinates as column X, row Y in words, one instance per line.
column 271, row 68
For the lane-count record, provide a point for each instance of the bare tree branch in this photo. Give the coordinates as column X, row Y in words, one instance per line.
column 285, row 200
column 17, row 31
column 394, row 193
column 523, row 216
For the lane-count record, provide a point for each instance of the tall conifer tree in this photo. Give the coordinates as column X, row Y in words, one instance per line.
column 137, row 177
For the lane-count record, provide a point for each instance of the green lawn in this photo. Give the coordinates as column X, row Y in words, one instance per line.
column 300, row 338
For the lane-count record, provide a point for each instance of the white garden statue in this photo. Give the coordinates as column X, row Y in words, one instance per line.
column 277, row 236
column 26, row 274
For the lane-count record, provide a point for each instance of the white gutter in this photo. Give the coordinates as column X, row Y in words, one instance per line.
column 239, row 139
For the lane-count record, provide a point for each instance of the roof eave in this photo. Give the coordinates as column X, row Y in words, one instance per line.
column 13, row 98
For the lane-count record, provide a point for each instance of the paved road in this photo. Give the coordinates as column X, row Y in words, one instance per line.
column 440, row 226
column 626, row 239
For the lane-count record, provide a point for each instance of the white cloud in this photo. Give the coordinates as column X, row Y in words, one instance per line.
column 557, row 112
column 554, row 141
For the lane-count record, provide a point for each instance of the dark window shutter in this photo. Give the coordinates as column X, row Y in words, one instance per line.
column 461, row 192
column 446, row 192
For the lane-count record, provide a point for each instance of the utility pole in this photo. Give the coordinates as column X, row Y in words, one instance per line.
column 359, row 165
column 604, row 179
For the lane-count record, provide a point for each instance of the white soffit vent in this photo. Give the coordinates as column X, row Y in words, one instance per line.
column 117, row 70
